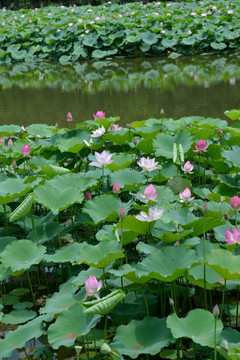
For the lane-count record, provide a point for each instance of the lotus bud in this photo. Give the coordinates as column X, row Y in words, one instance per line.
column 85, row 160
column 171, row 302
column 235, row 202
column 14, row 164
column 216, row 311
column 116, row 188
column 121, row 213
column 69, row 117
column 220, row 133
column 26, row 149
column 162, row 111
column 205, row 207
column 10, row 143
column 1, row 141
column 56, row 125
column 161, row 129
column 88, row 196
column 135, row 141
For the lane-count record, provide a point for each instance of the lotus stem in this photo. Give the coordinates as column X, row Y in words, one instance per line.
column 5, row 220
column 236, row 222
column 237, row 306
column 87, row 346
column 215, row 338
column 146, row 303
column 103, row 178
column 73, row 228
column 124, row 308
column 223, row 294
column 31, row 289
column 139, row 303
column 94, row 339
column 204, row 259
column 105, row 329
column 34, row 228
column 59, row 235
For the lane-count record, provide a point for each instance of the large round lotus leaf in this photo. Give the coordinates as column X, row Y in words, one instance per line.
column 9, row 300
column 18, row 316
column 131, row 223
column 66, row 253
column 105, row 305
column 52, row 170
column 4, row 272
column 18, row 338
column 19, row 291
column 71, row 324
column 13, row 188
column 121, row 161
column 101, row 255
column 103, row 207
column 120, row 137
column 21, row 254
column 42, row 130
column 72, row 145
column 127, row 178
column 23, row 305
column 196, row 276
column 147, row 336
column 167, row 264
column 224, row 263
column 5, row 240
column 198, row 325
column 56, row 200
column 71, row 179
column 163, row 143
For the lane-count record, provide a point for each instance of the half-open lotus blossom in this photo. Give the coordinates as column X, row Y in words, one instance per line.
column 185, row 196
column 69, row 117
column 235, row 202
column 99, row 132
column 148, row 164
column 153, row 214
column 89, row 144
column 102, row 159
column 99, row 115
column 232, row 236
column 187, row 168
column 92, row 286
column 201, row 146
column 26, row 149
column 116, row 187
column 115, row 127
column 150, row 193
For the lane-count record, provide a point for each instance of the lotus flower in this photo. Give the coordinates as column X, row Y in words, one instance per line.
column 26, row 150
column 153, row 214
column 201, row 146
column 115, row 127
column 88, row 196
column 1, row 141
column 99, row 115
column 92, row 286
column 147, row 164
column 187, row 168
column 150, row 193
column 99, row 132
column 116, row 188
column 89, row 144
column 69, row 117
column 102, row 159
column 121, row 213
column 186, row 196
column 232, row 237
column 10, row 143
column 235, row 202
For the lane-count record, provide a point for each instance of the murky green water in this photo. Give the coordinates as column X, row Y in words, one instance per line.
column 134, row 89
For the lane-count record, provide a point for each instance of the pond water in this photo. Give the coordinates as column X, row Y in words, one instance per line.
column 134, row 89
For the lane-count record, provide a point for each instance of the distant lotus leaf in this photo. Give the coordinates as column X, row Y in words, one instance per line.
column 119, row 137
column 59, row 303
column 57, row 201
column 169, row 43
column 147, row 336
column 224, row 263
column 104, row 305
column 73, row 145
column 6, row 130
column 18, row 338
column 71, row 324
column 150, row 38
column 202, row 334
column 23, row 305
column 233, row 114
column 103, row 207
column 18, row 316
column 121, row 161
column 101, row 255
column 232, row 155
column 22, row 254
column 72, row 179
column 40, row 129
column 167, row 264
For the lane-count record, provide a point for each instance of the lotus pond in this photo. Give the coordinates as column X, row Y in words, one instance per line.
column 121, row 243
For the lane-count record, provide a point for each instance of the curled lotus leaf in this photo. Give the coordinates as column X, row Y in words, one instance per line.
column 105, row 305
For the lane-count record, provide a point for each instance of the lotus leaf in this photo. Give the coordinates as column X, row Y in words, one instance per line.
column 224, row 263
column 105, row 305
column 18, row 316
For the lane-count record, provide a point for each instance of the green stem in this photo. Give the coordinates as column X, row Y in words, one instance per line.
column 215, row 339
column 87, row 347
column 59, row 235
column 139, row 303
column 103, row 178
column 204, row 265
column 94, row 339
column 73, row 229
column 172, row 295
column 146, row 303
column 34, row 228
column 236, row 219
column 31, row 289
column 124, row 308
column 237, row 306
column 105, row 329
column 223, row 294
column 5, row 220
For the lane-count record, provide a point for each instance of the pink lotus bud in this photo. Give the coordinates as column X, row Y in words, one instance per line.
column 85, row 160
column 56, row 125
column 205, row 207
column 92, row 286
column 121, row 213
column 220, row 133
column 171, row 302
column 232, row 236
column 185, row 196
column 10, row 143
column 150, row 193
column 1, row 141
column 69, row 117
column 162, row 111
column 235, row 202
column 99, row 115
column 216, row 311
column 14, row 164
column 201, row 145
column 26, row 149
column 88, row 196
column 176, row 243
column 116, row 188
column 187, row 168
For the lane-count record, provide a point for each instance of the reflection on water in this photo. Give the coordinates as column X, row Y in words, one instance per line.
column 134, row 89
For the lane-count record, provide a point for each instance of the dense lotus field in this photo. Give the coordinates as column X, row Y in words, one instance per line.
column 134, row 29
column 119, row 243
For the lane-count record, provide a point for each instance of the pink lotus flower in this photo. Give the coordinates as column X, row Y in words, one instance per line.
column 115, row 127
column 201, row 145
column 102, row 159
column 186, row 196
column 69, row 117
column 99, row 115
column 150, row 193
column 232, row 237
column 116, row 188
column 10, row 143
column 26, row 150
column 88, row 196
column 235, row 202
column 147, row 164
column 1, row 141
column 99, row 132
column 153, row 214
column 187, row 168
column 92, row 286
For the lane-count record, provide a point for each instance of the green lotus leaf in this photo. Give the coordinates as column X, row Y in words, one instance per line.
column 163, row 143
column 84, row 274
column 18, row 316
column 218, row 46
column 105, row 305
column 203, row 333
column 13, row 188
column 224, row 263
column 22, row 254
column 42, row 130
column 131, row 223
column 101, row 255
column 73, row 145
column 149, row 38
column 103, row 207
column 19, row 292
column 127, row 178
column 18, row 338
column 231, row 338
column 71, row 324
column 52, row 170
column 121, row 161
column 167, row 264
column 66, row 253
column 6, row 130
column 147, row 336
column 232, row 155
column 23, row 305
column 233, row 114
column 169, row 43
column 196, row 276
column 9, row 300
column 71, row 179
column 189, row 41
column 57, row 201
column 4, row 272
column 23, row 209
column 120, row 137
